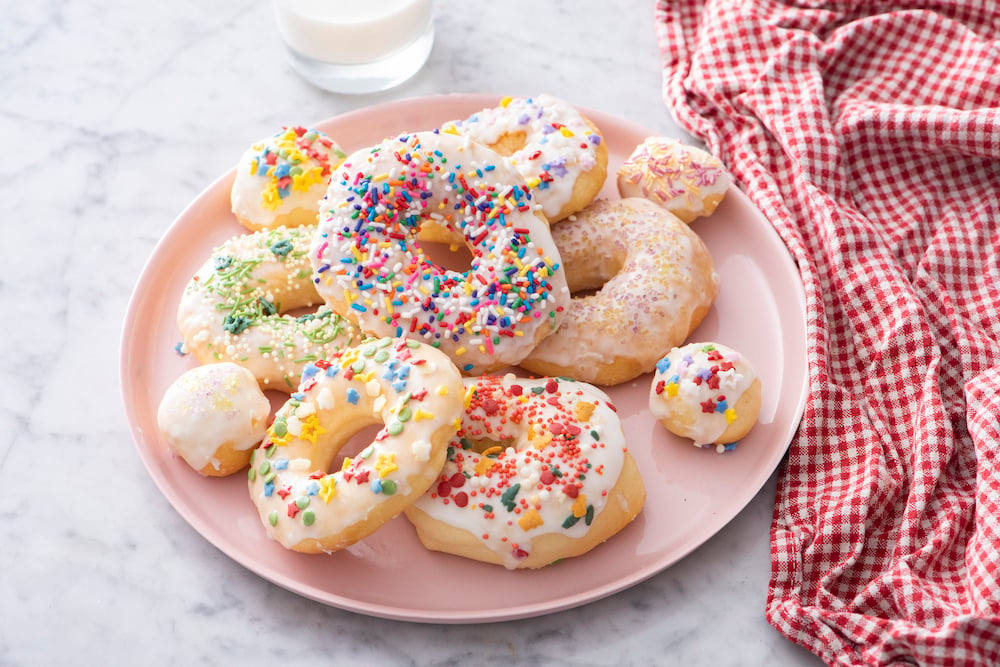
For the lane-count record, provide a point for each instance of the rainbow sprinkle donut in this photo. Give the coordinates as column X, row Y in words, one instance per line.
column 411, row 389
column 235, row 308
column 370, row 267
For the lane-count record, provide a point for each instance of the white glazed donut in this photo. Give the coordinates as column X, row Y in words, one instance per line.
column 655, row 281
column 280, row 180
column 558, row 150
column 706, row 392
column 370, row 266
column 538, row 472
column 235, row 308
column 213, row 416
column 684, row 180
column 413, row 390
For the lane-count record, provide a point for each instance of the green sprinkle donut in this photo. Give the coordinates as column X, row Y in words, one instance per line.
column 237, row 308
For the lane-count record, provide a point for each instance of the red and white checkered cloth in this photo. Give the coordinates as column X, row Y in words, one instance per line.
column 868, row 132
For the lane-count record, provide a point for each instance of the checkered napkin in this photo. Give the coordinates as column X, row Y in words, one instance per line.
column 868, row 132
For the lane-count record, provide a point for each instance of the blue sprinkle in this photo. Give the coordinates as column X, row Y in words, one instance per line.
column 269, row 489
column 353, row 396
column 663, row 365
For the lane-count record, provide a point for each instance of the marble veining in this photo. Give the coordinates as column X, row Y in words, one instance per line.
column 115, row 115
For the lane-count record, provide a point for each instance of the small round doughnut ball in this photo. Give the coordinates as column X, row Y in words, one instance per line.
column 280, row 180
column 684, row 180
column 560, row 152
column 213, row 416
column 706, row 392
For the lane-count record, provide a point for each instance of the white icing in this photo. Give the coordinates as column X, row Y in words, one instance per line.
column 373, row 270
column 254, row 272
column 261, row 197
column 695, row 392
column 289, row 470
column 209, row 406
column 654, row 276
column 528, row 419
column 682, row 179
column 560, row 144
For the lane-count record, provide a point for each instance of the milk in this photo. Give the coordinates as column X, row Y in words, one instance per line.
column 347, row 32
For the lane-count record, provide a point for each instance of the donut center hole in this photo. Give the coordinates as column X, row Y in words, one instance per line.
column 483, row 445
column 449, row 256
column 588, row 278
column 356, row 444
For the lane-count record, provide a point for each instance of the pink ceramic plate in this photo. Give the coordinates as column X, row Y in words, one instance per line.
column 692, row 493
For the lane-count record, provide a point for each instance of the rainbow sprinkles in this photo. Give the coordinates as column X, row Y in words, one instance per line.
column 370, row 266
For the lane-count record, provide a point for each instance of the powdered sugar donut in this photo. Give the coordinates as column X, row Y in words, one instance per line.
column 370, row 266
column 413, row 390
column 684, row 180
column 706, row 392
column 558, row 150
column 655, row 281
column 538, row 472
column 280, row 180
column 236, row 308
column 213, row 416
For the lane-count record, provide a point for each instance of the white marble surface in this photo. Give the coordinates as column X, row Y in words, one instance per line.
column 113, row 116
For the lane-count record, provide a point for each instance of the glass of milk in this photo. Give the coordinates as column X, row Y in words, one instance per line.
column 356, row 46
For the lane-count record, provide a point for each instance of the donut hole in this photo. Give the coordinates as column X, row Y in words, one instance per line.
column 484, row 445
column 355, row 444
column 588, row 278
column 449, row 256
column 510, row 143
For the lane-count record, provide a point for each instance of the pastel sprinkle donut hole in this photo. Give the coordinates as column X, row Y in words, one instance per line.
column 411, row 390
column 370, row 265
column 682, row 179
column 538, row 472
column 213, row 416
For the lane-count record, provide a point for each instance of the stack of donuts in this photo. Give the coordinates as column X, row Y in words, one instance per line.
column 497, row 440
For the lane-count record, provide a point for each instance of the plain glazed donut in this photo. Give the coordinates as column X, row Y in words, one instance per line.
column 280, row 180
column 684, row 180
column 558, row 150
column 369, row 264
column 538, row 472
column 410, row 388
column 655, row 281
column 706, row 392
column 213, row 416
column 231, row 310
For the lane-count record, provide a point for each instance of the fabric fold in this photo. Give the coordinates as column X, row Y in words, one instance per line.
column 868, row 132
